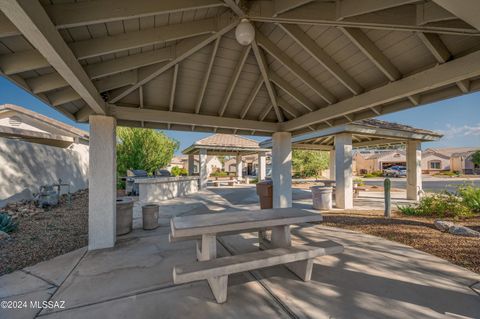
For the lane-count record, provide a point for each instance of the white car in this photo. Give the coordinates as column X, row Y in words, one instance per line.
column 395, row 171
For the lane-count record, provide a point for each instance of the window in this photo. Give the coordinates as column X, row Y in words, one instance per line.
column 435, row 165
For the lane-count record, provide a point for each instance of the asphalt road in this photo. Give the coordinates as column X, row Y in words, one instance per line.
column 430, row 184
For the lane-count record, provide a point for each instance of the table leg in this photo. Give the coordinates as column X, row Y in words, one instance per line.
column 207, row 247
column 281, row 236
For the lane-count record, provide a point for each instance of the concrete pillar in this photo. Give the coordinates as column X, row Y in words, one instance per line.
column 282, row 169
column 102, row 183
column 239, row 167
column 262, row 166
column 331, row 164
column 191, row 164
column 414, row 169
column 202, row 168
column 343, row 171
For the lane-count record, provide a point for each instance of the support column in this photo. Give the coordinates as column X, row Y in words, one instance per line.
column 331, row 164
column 239, row 168
column 343, row 171
column 191, row 164
column 282, row 169
column 414, row 170
column 262, row 166
column 202, row 168
column 102, row 183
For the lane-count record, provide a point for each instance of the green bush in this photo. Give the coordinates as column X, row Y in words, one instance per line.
column 219, row 174
column 6, row 223
column 359, row 181
column 438, row 205
column 373, row 174
column 447, row 173
column 178, row 171
column 470, row 196
column 309, row 163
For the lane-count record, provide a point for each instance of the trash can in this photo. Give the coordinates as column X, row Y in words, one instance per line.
column 322, row 197
column 150, row 216
column 124, row 215
column 265, row 193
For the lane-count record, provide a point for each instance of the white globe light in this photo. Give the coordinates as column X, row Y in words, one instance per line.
column 245, row 32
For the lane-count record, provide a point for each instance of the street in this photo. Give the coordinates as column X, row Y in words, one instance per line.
column 430, row 184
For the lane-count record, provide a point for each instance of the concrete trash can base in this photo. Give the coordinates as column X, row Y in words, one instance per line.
column 124, row 215
column 150, row 216
column 322, row 197
column 265, row 193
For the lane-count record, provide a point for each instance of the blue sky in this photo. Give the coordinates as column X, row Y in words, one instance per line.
column 458, row 118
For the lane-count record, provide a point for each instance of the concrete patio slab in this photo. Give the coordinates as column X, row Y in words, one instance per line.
column 373, row 278
column 19, row 283
column 28, row 310
column 57, row 269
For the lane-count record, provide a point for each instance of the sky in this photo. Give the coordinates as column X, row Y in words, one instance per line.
column 457, row 118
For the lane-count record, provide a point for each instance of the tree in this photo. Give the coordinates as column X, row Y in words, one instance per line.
column 476, row 158
column 309, row 163
column 145, row 149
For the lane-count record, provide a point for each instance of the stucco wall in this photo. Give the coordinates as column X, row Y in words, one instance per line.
column 24, row 167
column 427, row 158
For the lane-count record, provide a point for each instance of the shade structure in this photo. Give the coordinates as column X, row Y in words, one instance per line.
column 177, row 65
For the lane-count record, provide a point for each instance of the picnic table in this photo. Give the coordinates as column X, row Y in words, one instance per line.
column 206, row 227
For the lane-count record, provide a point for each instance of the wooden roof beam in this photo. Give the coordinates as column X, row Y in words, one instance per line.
column 293, row 67
column 174, row 87
column 34, row 23
column 293, row 92
column 183, row 50
column 350, row 8
column 206, row 77
column 456, row 70
column 321, row 57
column 233, row 80
column 262, row 65
column 251, row 97
column 66, row 15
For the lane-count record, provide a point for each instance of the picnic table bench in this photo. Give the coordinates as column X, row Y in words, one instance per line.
column 205, row 228
column 230, row 181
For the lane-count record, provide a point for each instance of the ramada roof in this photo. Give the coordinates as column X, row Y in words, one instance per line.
column 224, row 143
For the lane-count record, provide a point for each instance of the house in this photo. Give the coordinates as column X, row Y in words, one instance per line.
column 178, row 161
column 435, row 160
column 36, row 150
column 462, row 161
column 373, row 161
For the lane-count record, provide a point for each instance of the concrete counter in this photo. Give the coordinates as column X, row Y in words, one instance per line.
column 157, row 189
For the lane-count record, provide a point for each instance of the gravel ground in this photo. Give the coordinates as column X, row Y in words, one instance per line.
column 415, row 232
column 44, row 234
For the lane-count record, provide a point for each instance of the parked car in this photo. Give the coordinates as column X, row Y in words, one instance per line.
column 395, row 171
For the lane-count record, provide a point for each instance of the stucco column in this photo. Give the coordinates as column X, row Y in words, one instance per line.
column 202, row 168
column 331, row 164
column 343, row 171
column 282, row 169
column 414, row 169
column 262, row 166
column 239, row 167
column 191, row 164
column 102, row 188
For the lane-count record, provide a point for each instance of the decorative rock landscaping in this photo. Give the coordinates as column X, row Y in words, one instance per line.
column 446, row 226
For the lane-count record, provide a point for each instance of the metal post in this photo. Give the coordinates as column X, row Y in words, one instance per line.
column 387, row 184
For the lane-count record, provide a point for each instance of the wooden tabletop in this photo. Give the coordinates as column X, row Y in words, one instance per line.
column 195, row 225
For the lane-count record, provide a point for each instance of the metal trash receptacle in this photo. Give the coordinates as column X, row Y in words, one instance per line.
column 265, row 193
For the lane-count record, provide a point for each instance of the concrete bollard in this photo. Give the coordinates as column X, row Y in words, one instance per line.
column 387, row 185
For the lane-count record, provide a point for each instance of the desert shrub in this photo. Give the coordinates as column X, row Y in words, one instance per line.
column 359, row 181
column 447, row 173
column 254, row 181
column 438, row 205
column 373, row 174
column 219, row 174
column 178, row 171
column 7, row 224
column 470, row 196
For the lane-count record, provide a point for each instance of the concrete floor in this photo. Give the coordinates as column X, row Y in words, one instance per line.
column 373, row 278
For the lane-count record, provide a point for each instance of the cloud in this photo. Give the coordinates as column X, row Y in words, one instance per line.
column 453, row 131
